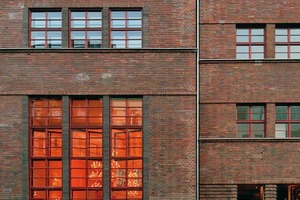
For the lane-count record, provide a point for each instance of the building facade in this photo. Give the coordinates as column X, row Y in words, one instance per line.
column 98, row 99
column 249, row 100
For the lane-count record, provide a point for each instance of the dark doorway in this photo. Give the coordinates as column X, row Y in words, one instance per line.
column 253, row 192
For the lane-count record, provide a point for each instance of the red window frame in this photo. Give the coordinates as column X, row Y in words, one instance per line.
column 45, row 148
column 248, row 120
column 46, row 29
column 86, row 149
column 250, row 44
column 125, row 29
column 289, row 121
column 126, row 148
column 288, row 44
column 85, row 29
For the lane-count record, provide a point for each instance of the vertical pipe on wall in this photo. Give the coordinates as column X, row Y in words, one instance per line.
column 198, row 99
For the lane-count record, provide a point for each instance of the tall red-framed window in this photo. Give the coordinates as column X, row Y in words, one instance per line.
column 126, row 148
column 45, row 29
column 85, row 28
column 251, row 121
column 86, row 149
column 126, row 29
column 287, row 120
column 45, row 144
column 287, row 42
column 250, row 42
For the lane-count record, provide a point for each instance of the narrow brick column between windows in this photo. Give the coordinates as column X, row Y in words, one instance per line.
column 65, row 28
column 105, row 28
column 270, row 120
column 106, row 151
column 66, row 147
column 25, row 186
column 270, row 192
column 270, row 41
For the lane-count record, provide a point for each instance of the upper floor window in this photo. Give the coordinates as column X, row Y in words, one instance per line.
column 85, row 29
column 287, row 41
column 250, row 43
column 45, row 29
column 251, row 121
column 287, row 121
column 126, row 29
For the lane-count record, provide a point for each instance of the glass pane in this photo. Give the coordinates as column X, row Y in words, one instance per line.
column 295, row 48
column 257, row 112
column 118, row 43
column 79, row 195
column 54, row 35
column 244, row 38
column 54, row 15
column 295, row 38
column 54, row 24
column 53, row 195
column 134, row 34
column 118, row 34
column 135, row 102
column 78, row 24
column 295, row 130
column 281, row 38
column 95, row 194
column 78, row 43
column 257, row 55
column 134, row 44
column 281, row 32
column 118, row 194
column 134, row 23
column 77, row 15
column 38, row 15
column 118, row 23
column 94, row 15
column 243, row 130
column 295, row 112
column 134, row 14
column 242, row 49
column 295, row 55
column 118, row 15
column 257, row 49
column 281, row 55
column 242, row 31
column 94, row 24
column 95, row 121
column 281, row 49
column 118, row 102
column 281, row 130
column 94, row 43
column 38, row 24
column 37, row 35
column 295, row 31
column 257, row 38
column 77, row 35
column 258, row 31
column 243, row 112
column 38, row 44
column 257, row 127
column 94, row 34
column 242, row 56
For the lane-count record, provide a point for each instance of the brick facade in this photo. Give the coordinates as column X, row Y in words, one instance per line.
column 163, row 73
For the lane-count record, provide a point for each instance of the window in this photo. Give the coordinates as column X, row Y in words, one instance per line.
column 86, row 148
column 85, row 31
column 45, row 29
column 287, row 121
column 45, row 149
column 251, row 121
column 126, row 29
column 287, row 41
column 126, row 148
column 250, row 43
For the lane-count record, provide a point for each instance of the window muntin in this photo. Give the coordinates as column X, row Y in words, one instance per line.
column 126, row 29
column 287, row 41
column 86, row 29
column 45, row 29
column 250, row 43
column 287, row 121
column 86, row 149
column 126, row 148
column 45, row 148
column 251, row 121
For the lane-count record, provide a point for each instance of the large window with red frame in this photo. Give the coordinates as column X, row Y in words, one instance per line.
column 126, row 29
column 251, row 121
column 86, row 29
column 250, row 43
column 45, row 148
column 287, row 121
column 287, row 41
column 45, row 29
column 86, row 149
column 126, row 148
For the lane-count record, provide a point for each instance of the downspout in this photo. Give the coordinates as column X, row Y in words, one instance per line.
column 198, row 97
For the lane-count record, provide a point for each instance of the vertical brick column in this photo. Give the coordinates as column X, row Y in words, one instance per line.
column 270, row 192
column 25, row 28
column 106, row 149
column 220, row 192
column 146, row 147
column 105, row 28
column 270, row 120
column 25, row 178
column 65, row 28
column 66, row 148
column 270, row 41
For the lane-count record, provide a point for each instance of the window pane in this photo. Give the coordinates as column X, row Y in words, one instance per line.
column 38, row 15
column 54, row 15
column 37, row 35
column 77, row 35
column 281, row 130
column 242, row 56
column 54, row 35
column 295, row 31
column 243, row 130
column 54, row 24
column 94, row 15
column 281, row 38
column 257, row 112
column 244, row 49
column 258, row 31
column 134, row 34
column 295, row 55
column 94, row 43
column 281, row 48
column 38, row 24
column 78, row 15
column 258, row 130
column 118, row 15
column 257, row 49
column 281, row 55
column 242, row 31
column 118, row 34
column 118, row 43
column 295, row 48
column 134, row 14
column 94, row 34
column 242, row 38
column 118, row 24
column 295, row 38
column 281, row 32
column 134, row 44
column 134, row 23
column 295, row 130
column 94, row 24
column 257, row 56
column 295, row 112
column 78, row 24
column 257, row 38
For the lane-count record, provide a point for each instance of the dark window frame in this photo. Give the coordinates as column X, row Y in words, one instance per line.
column 289, row 121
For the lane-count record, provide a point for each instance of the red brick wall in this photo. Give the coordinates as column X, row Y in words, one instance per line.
column 11, row 147
column 172, row 143
column 171, row 23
